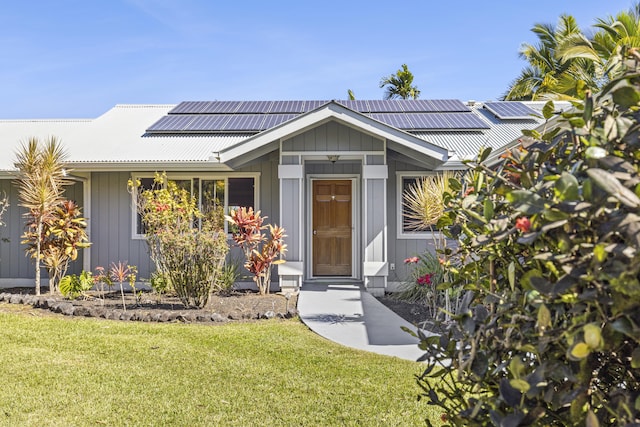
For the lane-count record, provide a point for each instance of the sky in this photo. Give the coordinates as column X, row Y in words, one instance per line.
column 79, row 58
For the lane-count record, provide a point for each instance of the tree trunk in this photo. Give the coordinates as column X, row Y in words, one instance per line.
column 38, row 247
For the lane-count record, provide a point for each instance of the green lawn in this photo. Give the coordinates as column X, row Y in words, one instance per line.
column 62, row 371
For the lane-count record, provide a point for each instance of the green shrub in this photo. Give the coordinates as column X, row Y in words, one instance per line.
column 187, row 247
column 192, row 262
column 72, row 286
column 228, row 276
column 549, row 328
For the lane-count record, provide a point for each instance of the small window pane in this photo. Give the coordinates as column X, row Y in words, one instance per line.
column 241, row 193
column 145, row 184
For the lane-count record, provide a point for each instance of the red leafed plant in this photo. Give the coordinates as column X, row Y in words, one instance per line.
column 261, row 252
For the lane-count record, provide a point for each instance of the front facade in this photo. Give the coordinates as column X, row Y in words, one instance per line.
column 331, row 173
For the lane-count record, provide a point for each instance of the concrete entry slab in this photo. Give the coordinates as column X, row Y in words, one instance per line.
column 349, row 315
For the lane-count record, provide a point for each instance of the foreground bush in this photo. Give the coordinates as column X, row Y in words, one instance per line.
column 188, row 248
column 550, row 325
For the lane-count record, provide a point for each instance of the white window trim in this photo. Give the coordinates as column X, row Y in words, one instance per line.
column 182, row 175
column 400, row 233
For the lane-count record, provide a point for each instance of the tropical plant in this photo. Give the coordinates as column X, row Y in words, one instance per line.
column 400, row 85
column 102, row 278
column 120, row 273
column 4, row 204
column 73, row 286
column 228, row 276
column 192, row 263
column 187, row 246
column 606, row 46
column 261, row 252
column 41, row 180
column 350, row 95
column 424, row 200
column 548, row 331
column 63, row 234
column 547, row 76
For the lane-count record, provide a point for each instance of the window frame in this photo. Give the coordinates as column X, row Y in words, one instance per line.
column 400, row 231
column 201, row 177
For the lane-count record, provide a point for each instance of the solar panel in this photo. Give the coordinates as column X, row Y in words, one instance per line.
column 356, row 105
column 171, row 123
column 465, row 121
column 398, row 120
column 206, row 122
column 190, row 107
column 287, row 107
column 511, row 110
column 428, row 121
column 273, row 120
column 449, row 105
column 243, row 122
column 312, row 105
column 385, row 106
column 253, row 107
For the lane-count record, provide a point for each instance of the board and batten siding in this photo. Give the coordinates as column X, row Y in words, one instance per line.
column 401, row 249
column 332, row 137
column 111, row 224
column 14, row 263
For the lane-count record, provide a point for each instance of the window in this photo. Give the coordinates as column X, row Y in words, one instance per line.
column 210, row 192
column 408, row 226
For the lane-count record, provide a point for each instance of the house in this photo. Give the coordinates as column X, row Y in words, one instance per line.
column 332, row 173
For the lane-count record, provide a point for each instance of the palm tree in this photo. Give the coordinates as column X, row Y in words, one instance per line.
column 547, row 75
column 40, row 186
column 606, row 47
column 399, row 85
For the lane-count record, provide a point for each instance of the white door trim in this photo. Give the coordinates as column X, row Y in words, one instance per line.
column 356, row 224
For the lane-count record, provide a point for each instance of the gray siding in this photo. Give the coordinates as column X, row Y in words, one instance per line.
column 400, row 249
column 14, row 264
column 111, row 229
column 111, row 222
column 332, row 136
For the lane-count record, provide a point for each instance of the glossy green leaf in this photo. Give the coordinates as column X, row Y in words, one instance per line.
column 596, row 153
column 600, row 252
column 544, row 317
column 626, row 96
column 579, row 351
column 520, row 385
column 488, row 209
column 592, row 336
column 566, row 188
column 548, row 110
column 526, row 201
column 612, row 186
column 511, row 273
column 592, row 420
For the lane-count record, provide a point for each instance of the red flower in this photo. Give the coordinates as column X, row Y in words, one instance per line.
column 424, row 280
column 444, row 418
column 470, row 190
column 523, row 224
column 412, row 260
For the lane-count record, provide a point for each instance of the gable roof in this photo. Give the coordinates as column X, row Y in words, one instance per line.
column 121, row 138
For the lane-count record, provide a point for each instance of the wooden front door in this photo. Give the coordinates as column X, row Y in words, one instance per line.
column 332, row 227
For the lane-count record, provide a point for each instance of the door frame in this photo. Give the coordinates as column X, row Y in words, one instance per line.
column 356, row 225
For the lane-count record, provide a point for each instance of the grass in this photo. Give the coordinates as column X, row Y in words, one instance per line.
column 76, row 372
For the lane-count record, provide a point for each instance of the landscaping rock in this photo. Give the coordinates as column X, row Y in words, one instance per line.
column 126, row 315
column 218, row 318
column 97, row 312
column 16, row 299
column 81, row 311
column 268, row 315
column 186, row 317
column 65, row 308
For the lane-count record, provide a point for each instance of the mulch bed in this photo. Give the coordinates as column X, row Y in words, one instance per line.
column 235, row 306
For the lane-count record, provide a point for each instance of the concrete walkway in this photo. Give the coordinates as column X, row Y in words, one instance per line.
column 349, row 315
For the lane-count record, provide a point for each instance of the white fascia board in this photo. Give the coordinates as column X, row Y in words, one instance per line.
column 334, row 111
column 146, row 166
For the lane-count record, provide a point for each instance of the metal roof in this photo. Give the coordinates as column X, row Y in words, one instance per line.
column 119, row 137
